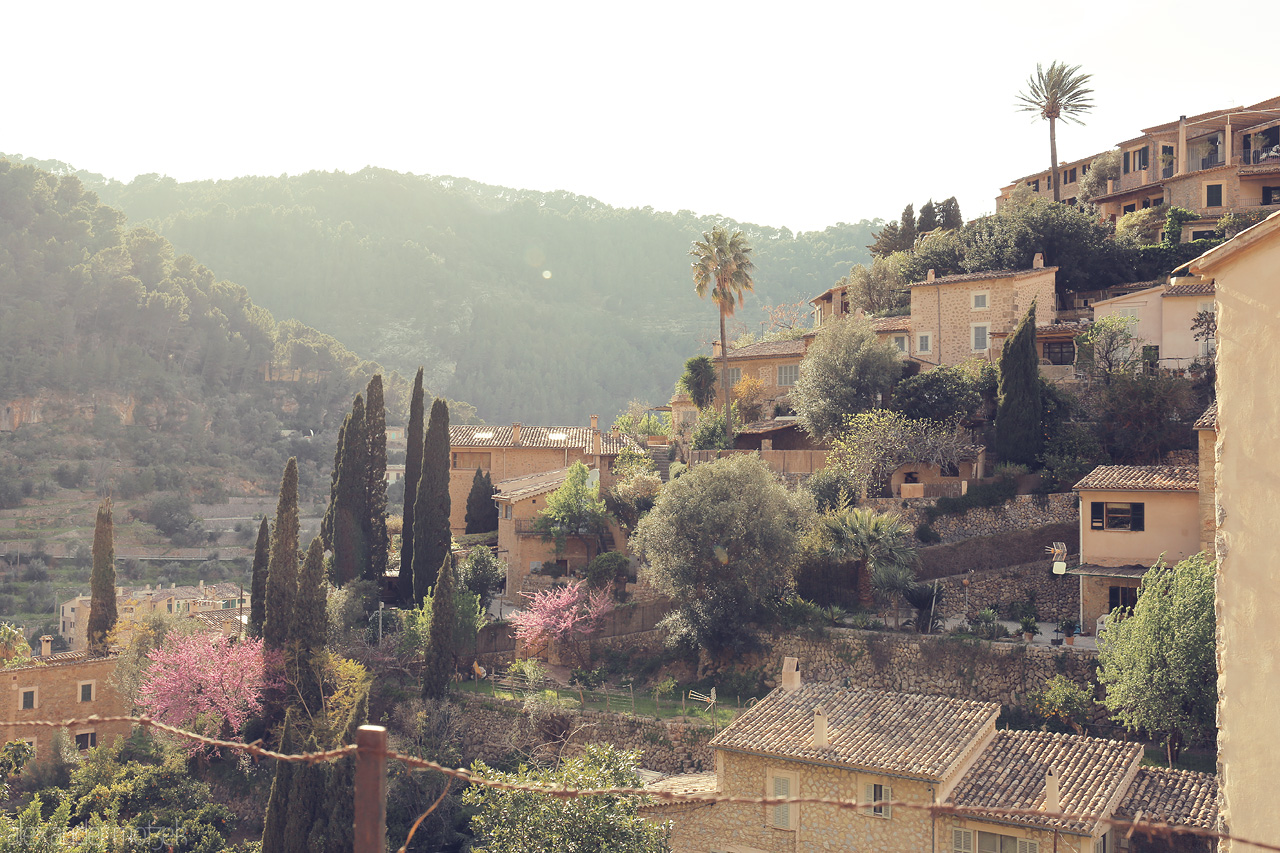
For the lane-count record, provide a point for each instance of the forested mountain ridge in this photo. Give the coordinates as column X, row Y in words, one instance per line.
column 540, row 307
column 103, row 327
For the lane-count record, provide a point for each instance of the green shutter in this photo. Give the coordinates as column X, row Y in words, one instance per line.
column 1096, row 515
column 1137, row 516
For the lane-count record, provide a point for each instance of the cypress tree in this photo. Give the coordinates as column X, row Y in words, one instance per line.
column 258, row 583
column 412, row 473
column 339, row 808
column 482, row 512
column 907, row 229
column 277, row 816
column 306, row 799
column 282, row 569
column 102, row 600
column 444, row 613
column 307, row 635
column 375, row 535
column 432, row 538
column 1018, row 433
column 326, row 524
column 949, row 214
column 928, row 218
column 350, row 501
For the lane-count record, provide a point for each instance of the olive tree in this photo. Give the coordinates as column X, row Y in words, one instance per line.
column 722, row 542
column 846, row 371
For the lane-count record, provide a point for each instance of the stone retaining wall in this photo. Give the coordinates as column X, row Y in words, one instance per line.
column 1022, row 512
column 1056, row 597
column 492, row 729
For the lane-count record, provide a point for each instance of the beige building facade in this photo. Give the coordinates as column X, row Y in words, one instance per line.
column 136, row 603
column 520, row 545
column 881, row 761
column 1163, row 320
column 954, row 318
column 776, row 364
column 63, row 686
column 1246, row 272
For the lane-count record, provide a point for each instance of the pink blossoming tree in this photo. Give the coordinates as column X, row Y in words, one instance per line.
column 208, row 685
column 567, row 615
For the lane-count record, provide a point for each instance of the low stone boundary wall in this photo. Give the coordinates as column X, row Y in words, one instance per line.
column 1022, row 512
column 1056, row 597
column 494, row 728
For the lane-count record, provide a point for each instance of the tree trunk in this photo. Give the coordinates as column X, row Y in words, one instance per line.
column 724, row 384
column 866, row 596
column 1053, row 159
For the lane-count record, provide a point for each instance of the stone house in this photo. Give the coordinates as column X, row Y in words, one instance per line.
column 1246, row 273
column 775, row 363
column 63, row 686
column 895, row 755
column 1040, row 184
column 1206, row 427
column 135, row 603
column 926, row 480
column 1130, row 517
column 954, row 318
column 510, row 452
column 1218, row 162
column 1164, row 316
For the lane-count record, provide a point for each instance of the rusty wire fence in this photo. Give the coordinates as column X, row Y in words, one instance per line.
column 370, row 791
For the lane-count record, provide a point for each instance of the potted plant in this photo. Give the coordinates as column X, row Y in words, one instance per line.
column 1029, row 627
column 1068, row 628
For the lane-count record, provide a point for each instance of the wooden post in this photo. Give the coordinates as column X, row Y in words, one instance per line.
column 371, row 790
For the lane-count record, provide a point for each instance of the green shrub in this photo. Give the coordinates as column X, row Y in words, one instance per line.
column 606, row 568
column 981, row 495
column 676, row 469
column 926, row 534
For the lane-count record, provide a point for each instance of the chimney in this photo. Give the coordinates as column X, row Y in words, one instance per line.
column 1052, row 800
column 595, row 422
column 820, row 728
column 931, row 276
column 515, row 434
column 596, row 441
column 202, row 585
column 790, row 675
column 1037, row 263
column 46, row 646
column 173, row 584
column 715, row 349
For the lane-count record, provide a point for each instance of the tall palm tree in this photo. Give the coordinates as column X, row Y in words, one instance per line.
column 722, row 267
column 1057, row 93
column 878, row 544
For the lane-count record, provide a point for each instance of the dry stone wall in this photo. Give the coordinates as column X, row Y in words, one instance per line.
column 1023, row 512
column 1056, row 597
column 493, row 729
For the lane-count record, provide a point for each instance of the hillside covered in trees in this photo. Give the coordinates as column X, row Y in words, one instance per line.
column 111, row 335
column 540, row 307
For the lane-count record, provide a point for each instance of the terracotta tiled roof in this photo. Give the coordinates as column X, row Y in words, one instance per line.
column 55, row 658
column 892, row 324
column 1178, row 797
column 761, row 427
column 1199, row 288
column 685, row 783
column 1010, row 773
column 921, row 737
column 470, row 435
column 519, row 488
column 986, row 275
column 769, row 349
column 1260, row 169
column 218, row 618
column 1133, row 570
column 1154, row 478
column 1209, row 420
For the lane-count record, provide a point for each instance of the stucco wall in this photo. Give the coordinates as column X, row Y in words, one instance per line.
column 1177, row 339
column 1248, row 516
column 509, row 462
column 1172, row 528
column 1150, row 309
column 1206, row 439
column 1095, row 598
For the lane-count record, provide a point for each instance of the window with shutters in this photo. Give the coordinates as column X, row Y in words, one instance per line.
column 880, row 794
column 900, row 342
column 86, row 740
column 472, row 461
column 28, row 699
column 992, row 842
column 981, row 332
column 788, row 374
column 961, row 841
column 781, row 785
column 924, row 343
column 1117, row 516
column 735, row 374
column 979, row 301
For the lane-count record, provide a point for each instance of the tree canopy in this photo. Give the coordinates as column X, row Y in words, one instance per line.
column 846, row 371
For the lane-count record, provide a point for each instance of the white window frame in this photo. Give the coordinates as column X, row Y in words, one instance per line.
column 1208, row 347
column 785, row 816
column 735, row 376
column 900, row 342
column 1127, row 311
column 793, row 373
column 986, row 334
column 924, row 342
column 877, row 792
column 986, row 300
column 93, row 692
column 35, row 698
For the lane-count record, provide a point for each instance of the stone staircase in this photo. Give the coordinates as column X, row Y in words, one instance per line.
column 660, row 461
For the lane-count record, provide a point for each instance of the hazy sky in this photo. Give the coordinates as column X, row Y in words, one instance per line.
column 796, row 114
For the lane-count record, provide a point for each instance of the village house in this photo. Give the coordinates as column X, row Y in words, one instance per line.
column 926, row 480
column 896, row 755
column 1131, row 516
column 1218, row 162
column 1246, row 276
column 63, row 686
column 776, row 364
column 136, row 603
column 511, row 452
column 1040, row 184
column 1163, row 316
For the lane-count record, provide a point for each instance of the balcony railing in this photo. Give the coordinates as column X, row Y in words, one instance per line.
column 1270, row 156
column 1211, row 161
column 1167, row 171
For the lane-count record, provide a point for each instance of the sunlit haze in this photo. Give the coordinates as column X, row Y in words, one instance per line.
column 796, row 115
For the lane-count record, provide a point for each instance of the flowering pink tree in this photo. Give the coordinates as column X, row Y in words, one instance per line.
column 566, row 615
column 210, row 685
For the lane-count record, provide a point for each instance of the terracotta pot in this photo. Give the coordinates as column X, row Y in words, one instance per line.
column 1028, row 637
column 1071, row 640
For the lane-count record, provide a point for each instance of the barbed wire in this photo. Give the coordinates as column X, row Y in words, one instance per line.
column 1154, row 829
